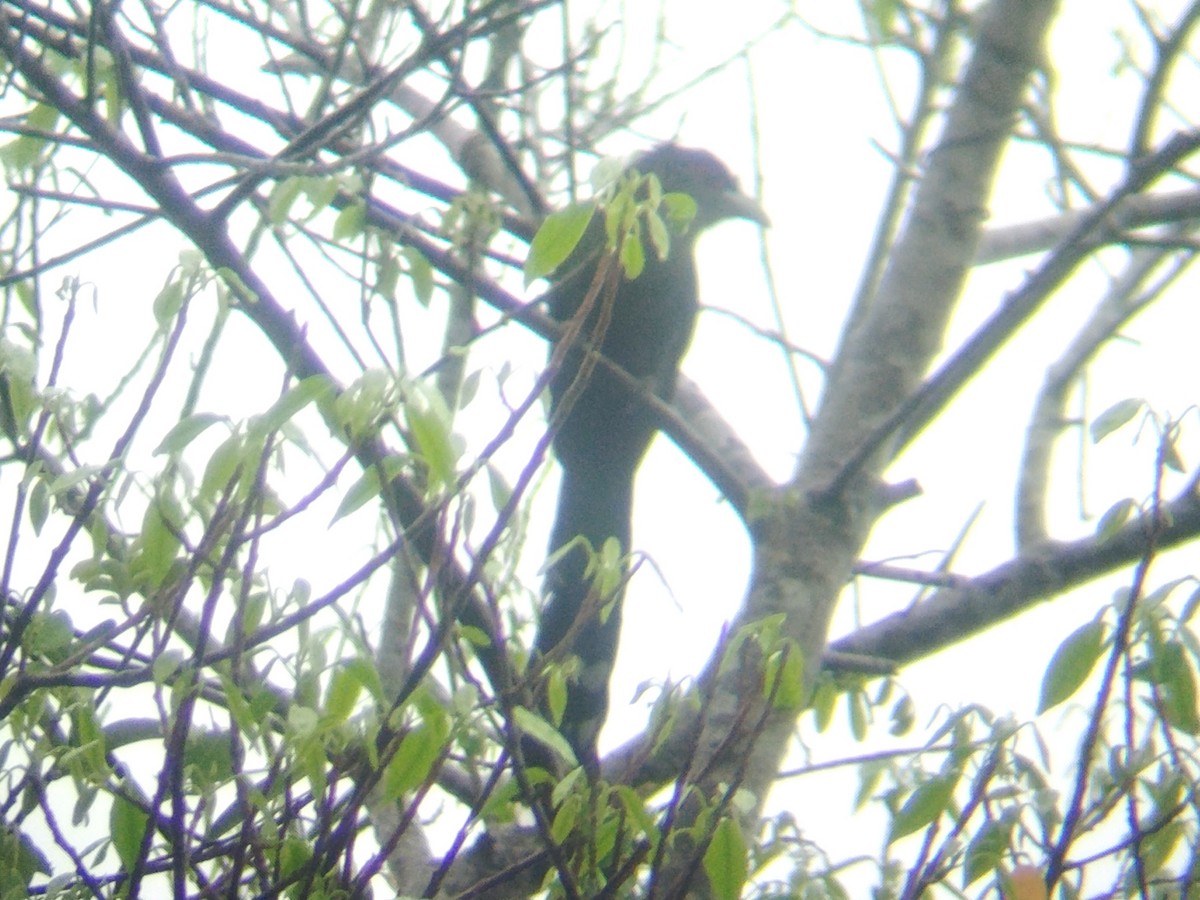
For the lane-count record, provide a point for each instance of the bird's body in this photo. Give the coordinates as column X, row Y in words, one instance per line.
column 608, row 427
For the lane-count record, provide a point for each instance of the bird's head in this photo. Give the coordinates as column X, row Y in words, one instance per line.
column 705, row 179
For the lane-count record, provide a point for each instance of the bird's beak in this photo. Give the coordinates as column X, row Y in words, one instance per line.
column 736, row 205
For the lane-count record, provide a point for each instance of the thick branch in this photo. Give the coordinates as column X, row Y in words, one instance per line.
column 1136, row 212
column 1124, row 298
column 879, row 365
column 955, row 613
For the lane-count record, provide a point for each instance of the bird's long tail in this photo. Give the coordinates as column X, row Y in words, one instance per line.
column 595, row 506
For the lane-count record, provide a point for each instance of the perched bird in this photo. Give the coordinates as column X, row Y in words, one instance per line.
column 607, row 427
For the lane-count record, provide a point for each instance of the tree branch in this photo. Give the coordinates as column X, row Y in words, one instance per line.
column 879, row 365
column 955, row 613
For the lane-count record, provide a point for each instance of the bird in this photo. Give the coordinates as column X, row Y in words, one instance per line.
column 604, row 428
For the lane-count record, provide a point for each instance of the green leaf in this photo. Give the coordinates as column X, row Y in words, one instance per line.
column 1190, row 606
column 558, row 236
column 1172, row 458
column 343, row 693
column 293, row 854
column 298, row 396
column 1114, row 417
column 430, row 427
column 127, row 823
column 222, row 466
column 534, row 726
column 923, row 806
column 1115, row 518
column 498, row 487
column 725, row 861
column 881, row 14
column 1160, row 846
column 566, row 818
column 74, row 478
column 415, row 758
column 366, row 674
column 27, row 151
column 320, row 191
column 660, row 238
column 359, row 407
column 681, row 210
column 654, row 191
column 1071, row 664
column 823, row 703
column 635, row 806
column 1179, row 688
column 986, row 851
column 476, row 637
column 856, row 704
column 606, row 172
column 184, row 432
column 48, row 634
column 19, row 364
column 108, row 77
column 233, row 289
column 283, row 195
column 633, row 255
column 166, row 664
column 18, row 360
column 168, row 302
column 39, row 505
column 208, row 758
column 785, row 676
column 302, row 722
column 421, row 273
column 25, row 293
column 903, row 717
column 556, row 694
column 387, row 272
column 500, row 805
column 366, row 488
column 20, row 860
column 870, row 773
column 159, row 541
column 620, row 215
column 350, row 222
column 606, row 571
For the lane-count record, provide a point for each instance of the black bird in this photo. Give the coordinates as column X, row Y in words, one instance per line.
column 607, row 428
